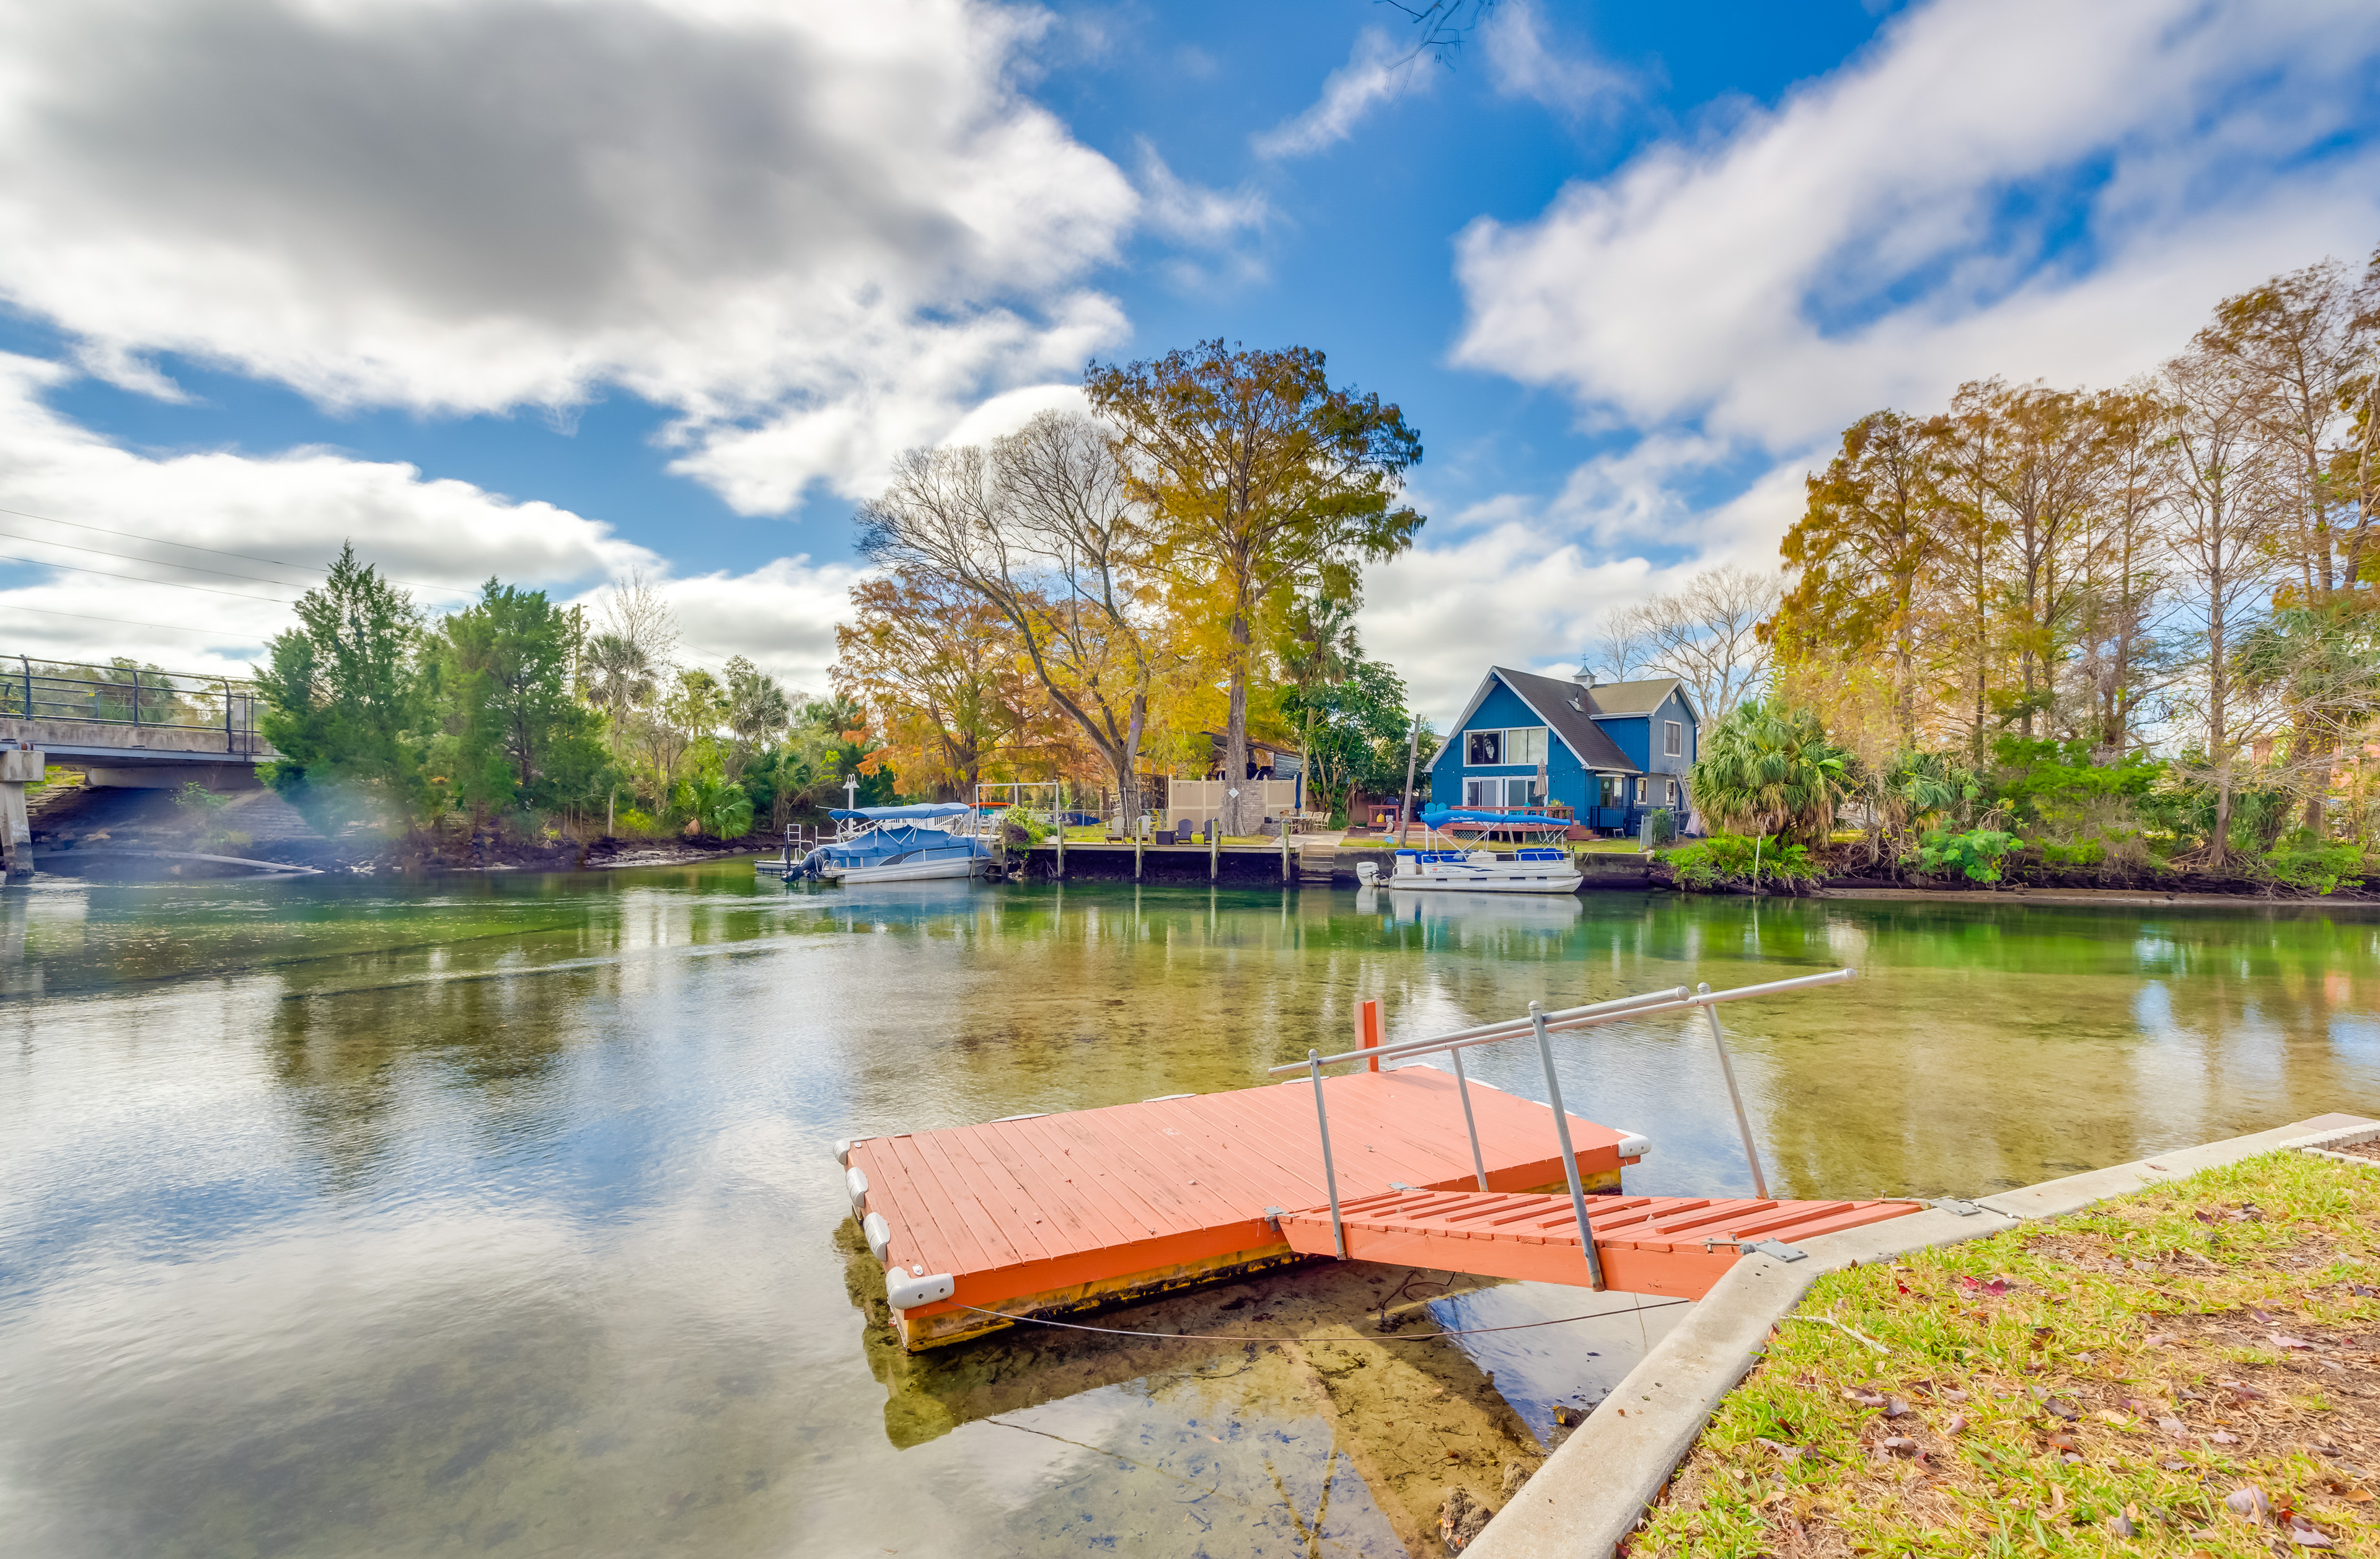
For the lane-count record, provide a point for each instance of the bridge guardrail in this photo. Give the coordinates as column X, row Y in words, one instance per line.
column 134, row 696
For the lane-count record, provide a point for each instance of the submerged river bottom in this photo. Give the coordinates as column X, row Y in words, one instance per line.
column 500, row 1215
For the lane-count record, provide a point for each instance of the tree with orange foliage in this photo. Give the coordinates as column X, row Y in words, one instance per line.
column 939, row 670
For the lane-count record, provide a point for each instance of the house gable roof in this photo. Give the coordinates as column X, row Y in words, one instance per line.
column 1551, row 699
column 1639, row 698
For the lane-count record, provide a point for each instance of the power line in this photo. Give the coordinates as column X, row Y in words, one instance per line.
column 153, row 562
column 193, row 546
column 126, row 622
column 169, row 584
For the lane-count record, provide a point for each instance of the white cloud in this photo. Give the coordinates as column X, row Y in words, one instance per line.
column 1882, row 235
column 1376, row 71
column 1734, row 298
column 816, row 232
column 1525, row 60
column 214, row 614
column 1513, row 583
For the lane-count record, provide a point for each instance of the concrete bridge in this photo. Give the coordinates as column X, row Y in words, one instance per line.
column 121, row 725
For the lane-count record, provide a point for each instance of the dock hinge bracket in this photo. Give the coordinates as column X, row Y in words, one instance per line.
column 1272, row 1216
column 1963, row 1208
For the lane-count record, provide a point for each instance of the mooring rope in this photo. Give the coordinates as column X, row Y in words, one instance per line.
column 1260, row 1338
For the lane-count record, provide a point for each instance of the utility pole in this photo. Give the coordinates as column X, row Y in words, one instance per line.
column 1404, row 813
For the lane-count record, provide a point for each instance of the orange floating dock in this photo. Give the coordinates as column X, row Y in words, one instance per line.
column 1045, row 1215
column 1673, row 1246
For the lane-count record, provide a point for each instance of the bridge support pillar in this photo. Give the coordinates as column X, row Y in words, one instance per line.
column 18, row 767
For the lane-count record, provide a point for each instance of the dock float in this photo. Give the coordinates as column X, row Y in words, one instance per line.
column 1036, row 1216
column 1050, row 1214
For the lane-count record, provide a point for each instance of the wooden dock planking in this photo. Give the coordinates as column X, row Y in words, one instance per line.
column 1647, row 1245
column 1063, row 1210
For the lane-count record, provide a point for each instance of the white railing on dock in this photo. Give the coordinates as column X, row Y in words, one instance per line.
column 1541, row 1024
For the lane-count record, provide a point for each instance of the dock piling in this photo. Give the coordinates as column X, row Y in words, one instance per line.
column 1562, row 1131
column 1062, row 847
column 1214, row 849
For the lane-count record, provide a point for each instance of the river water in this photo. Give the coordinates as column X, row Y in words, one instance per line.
column 499, row 1215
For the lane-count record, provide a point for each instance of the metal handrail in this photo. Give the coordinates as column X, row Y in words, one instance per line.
column 1652, row 1004
column 115, row 695
column 1541, row 1024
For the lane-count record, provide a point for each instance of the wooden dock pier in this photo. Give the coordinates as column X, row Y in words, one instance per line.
column 1049, row 1215
column 1036, row 1216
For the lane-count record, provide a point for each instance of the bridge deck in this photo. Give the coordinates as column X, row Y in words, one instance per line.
column 1063, row 1212
column 1675, row 1245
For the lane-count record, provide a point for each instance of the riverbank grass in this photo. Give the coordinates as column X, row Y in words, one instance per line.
column 2189, row 1371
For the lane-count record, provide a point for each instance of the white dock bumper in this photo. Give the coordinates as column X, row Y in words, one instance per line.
column 842, row 1150
column 906, row 1290
column 1632, row 1146
column 855, row 1182
column 878, row 1233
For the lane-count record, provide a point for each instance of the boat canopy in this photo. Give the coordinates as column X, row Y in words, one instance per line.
column 903, row 814
column 1439, row 817
column 883, row 846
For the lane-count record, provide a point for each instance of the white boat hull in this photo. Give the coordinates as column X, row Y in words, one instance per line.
column 906, row 871
column 1474, row 880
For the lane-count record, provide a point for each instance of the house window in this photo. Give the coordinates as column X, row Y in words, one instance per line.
column 1673, row 738
column 1501, row 793
column 1670, row 793
column 1614, row 791
column 1523, row 744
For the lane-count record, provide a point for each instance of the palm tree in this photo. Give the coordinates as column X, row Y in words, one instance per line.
column 1766, row 768
column 619, row 678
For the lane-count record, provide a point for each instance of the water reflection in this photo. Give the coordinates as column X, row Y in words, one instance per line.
column 501, row 1213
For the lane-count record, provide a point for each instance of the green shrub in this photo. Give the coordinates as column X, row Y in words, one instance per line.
column 2304, row 863
column 630, row 823
column 1978, row 852
column 1708, row 864
column 1660, row 827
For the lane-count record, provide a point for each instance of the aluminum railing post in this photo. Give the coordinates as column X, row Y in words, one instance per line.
column 1742, row 1125
column 1462, row 1087
column 1570, row 1159
column 1329, row 1174
column 136, row 695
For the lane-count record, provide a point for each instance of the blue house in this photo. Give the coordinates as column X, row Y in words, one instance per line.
column 1610, row 752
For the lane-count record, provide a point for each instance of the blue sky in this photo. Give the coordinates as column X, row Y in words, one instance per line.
column 557, row 289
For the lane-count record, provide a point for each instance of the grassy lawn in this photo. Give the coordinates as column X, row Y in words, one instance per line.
column 2189, row 1370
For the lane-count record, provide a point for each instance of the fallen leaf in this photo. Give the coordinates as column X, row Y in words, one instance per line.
column 2159, row 1340
column 2222, row 1438
column 2261, row 1314
column 2357, row 1496
column 1956, row 1425
column 2062, row 1407
column 2122, row 1527
column 1895, row 1407
column 2110, row 1416
column 1951, row 1393
column 2249, row 1502
column 1864, row 1397
column 2173, row 1425
column 2173, row 1464
column 1900, row 1446
column 2306, row 1537
column 2279, row 1341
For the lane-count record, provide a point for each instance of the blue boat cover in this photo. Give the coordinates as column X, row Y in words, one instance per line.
column 1439, row 817
column 896, row 814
